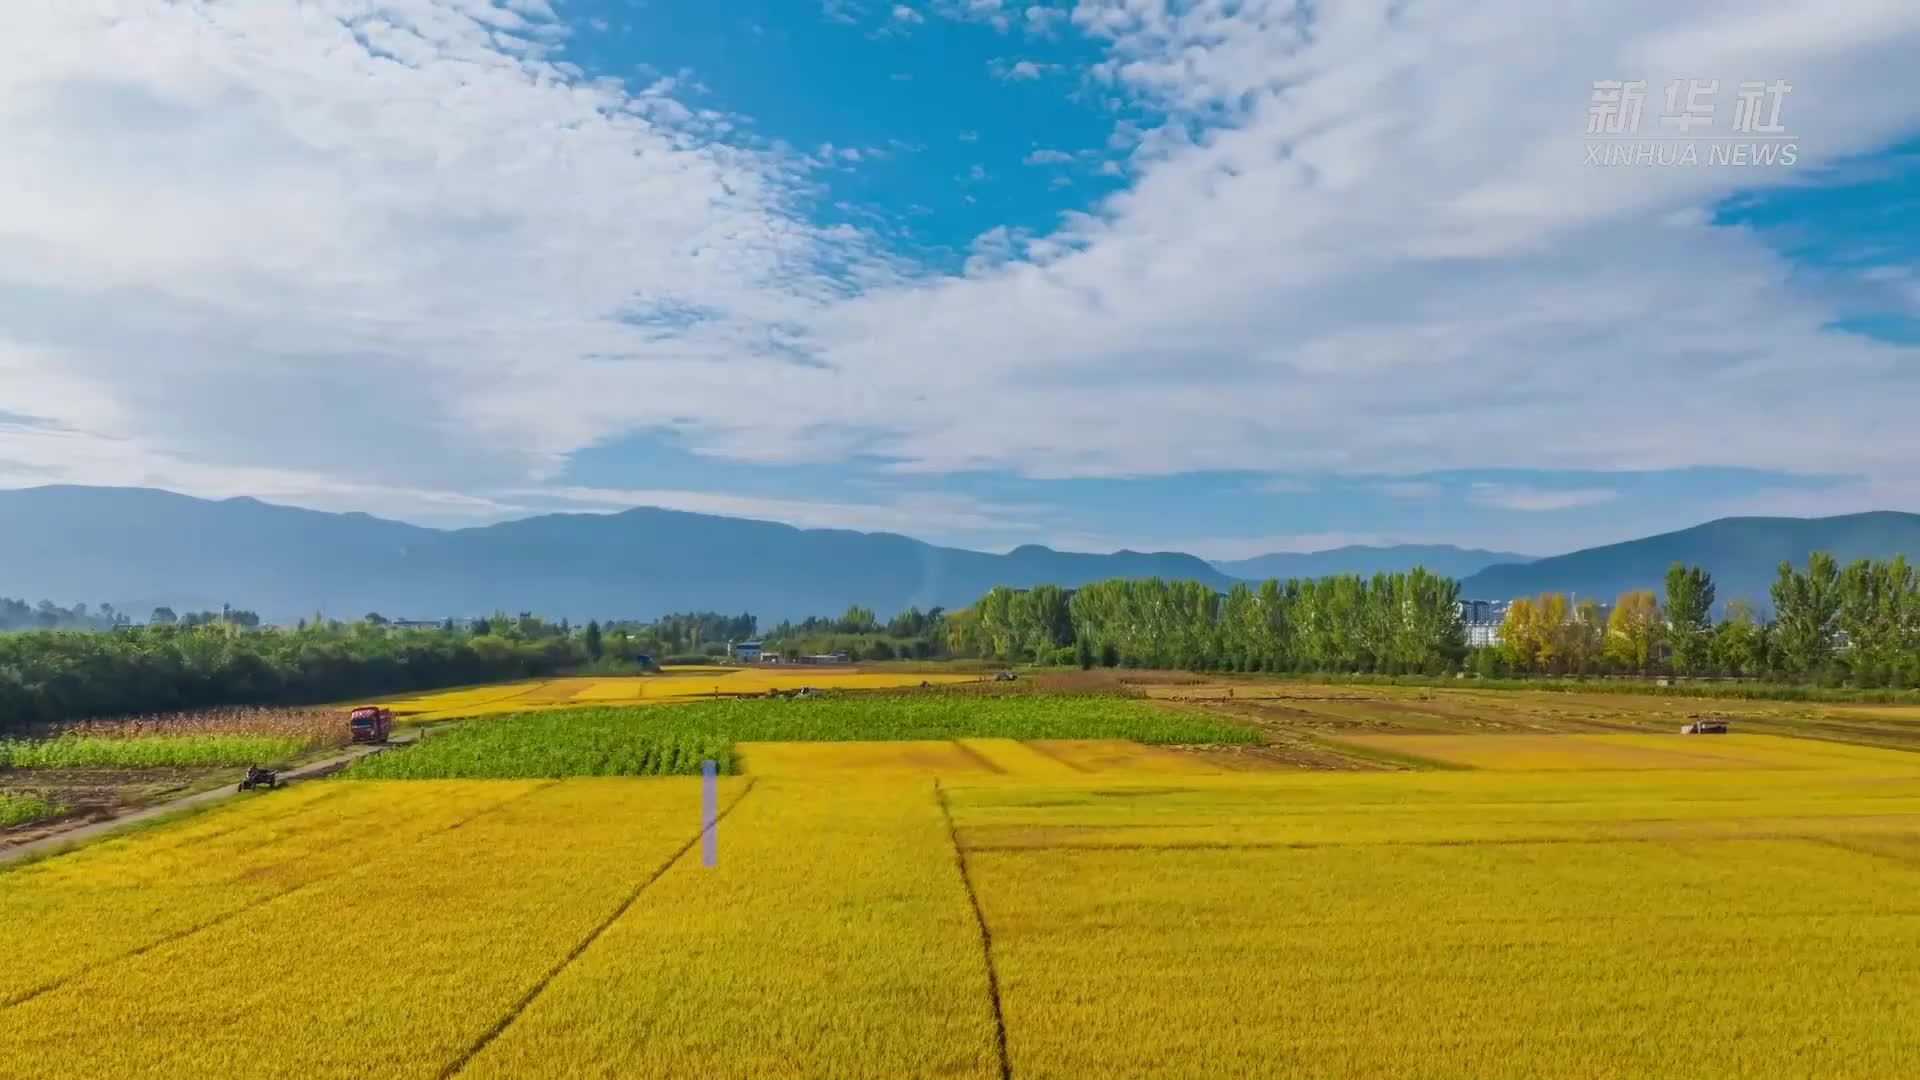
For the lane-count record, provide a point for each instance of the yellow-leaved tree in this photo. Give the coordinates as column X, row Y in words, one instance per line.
column 1550, row 631
column 1519, row 635
column 1634, row 630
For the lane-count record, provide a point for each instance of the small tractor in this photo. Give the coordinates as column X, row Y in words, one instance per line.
column 258, row 777
column 1706, row 725
column 371, row 724
column 1005, row 676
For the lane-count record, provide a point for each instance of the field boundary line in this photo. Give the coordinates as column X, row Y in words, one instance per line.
column 499, row 1028
column 252, row 905
column 977, row 757
column 1541, row 841
column 1057, row 758
column 1841, row 845
column 986, row 935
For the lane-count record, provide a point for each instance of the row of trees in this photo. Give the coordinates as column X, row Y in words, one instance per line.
column 47, row 615
column 57, row 675
column 1859, row 623
column 1395, row 623
column 911, row 634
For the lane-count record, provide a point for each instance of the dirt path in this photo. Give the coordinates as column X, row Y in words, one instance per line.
column 94, row 829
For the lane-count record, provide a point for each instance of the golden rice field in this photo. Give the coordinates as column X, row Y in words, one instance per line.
column 674, row 684
column 1556, row 906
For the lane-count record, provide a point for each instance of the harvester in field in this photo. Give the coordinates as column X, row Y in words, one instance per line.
column 1706, row 725
column 258, row 777
column 370, row 724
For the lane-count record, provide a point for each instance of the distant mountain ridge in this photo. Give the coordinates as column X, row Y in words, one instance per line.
column 138, row 548
column 1742, row 554
column 1444, row 559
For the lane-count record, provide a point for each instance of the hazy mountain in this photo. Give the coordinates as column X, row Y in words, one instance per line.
column 138, row 548
column 1741, row 553
column 1444, row 559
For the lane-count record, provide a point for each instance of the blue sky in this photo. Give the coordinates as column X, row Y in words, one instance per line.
column 1226, row 278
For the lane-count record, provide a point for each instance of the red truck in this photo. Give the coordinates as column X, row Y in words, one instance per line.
column 371, row 724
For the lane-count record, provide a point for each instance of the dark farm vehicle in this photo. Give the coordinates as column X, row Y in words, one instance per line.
column 258, row 777
column 1706, row 725
column 371, row 724
column 1005, row 676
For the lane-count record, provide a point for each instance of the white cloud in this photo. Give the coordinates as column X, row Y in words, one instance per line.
column 1020, row 70
column 1522, row 497
column 905, row 14
column 845, row 12
column 407, row 255
column 1041, row 21
column 994, row 13
column 1048, row 157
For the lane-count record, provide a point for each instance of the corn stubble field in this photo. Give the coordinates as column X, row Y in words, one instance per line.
column 1025, row 896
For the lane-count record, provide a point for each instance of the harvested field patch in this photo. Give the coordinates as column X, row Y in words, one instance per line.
column 1519, row 753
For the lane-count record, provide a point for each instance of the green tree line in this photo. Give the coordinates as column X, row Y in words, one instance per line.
column 1401, row 623
column 51, row 675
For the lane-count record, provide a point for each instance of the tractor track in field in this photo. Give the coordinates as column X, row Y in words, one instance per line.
column 25, row 996
column 500, row 1026
column 986, row 935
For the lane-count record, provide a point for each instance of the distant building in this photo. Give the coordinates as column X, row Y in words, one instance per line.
column 745, row 652
column 1481, row 619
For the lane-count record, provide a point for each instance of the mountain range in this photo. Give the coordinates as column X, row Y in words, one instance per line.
column 1742, row 553
column 1444, row 559
column 139, row 548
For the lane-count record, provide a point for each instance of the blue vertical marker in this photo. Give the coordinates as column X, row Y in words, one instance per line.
column 709, row 805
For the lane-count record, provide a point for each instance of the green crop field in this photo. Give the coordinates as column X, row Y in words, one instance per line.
column 24, row 809
column 674, row 738
column 87, row 751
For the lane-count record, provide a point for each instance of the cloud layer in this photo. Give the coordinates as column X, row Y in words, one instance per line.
column 400, row 254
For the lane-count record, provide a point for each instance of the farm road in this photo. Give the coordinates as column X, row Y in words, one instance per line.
column 93, row 830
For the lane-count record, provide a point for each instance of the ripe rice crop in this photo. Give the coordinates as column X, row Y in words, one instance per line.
column 1439, row 925
column 418, row 938
column 1454, row 925
column 674, row 684
column 665, row 740
column 834, row 912
column 24, row 809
